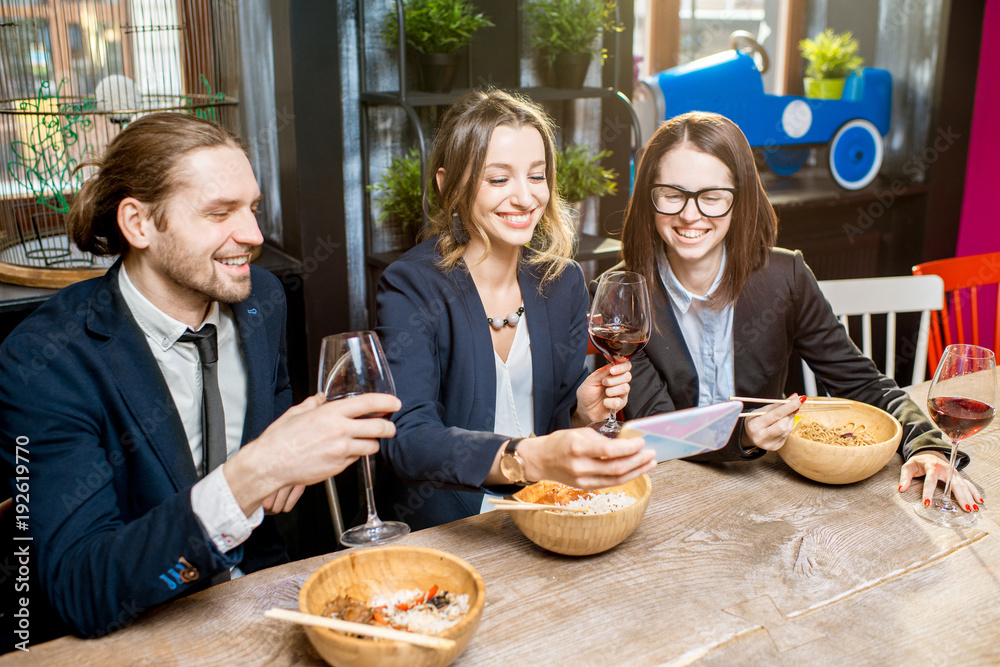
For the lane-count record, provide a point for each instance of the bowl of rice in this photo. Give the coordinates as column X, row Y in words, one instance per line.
column 415, row 589
column 612, row 515
column 842, row 446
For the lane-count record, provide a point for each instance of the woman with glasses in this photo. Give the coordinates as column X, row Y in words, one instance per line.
column 730, row 308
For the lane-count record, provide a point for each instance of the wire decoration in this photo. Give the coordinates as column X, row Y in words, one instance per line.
column 73, row 74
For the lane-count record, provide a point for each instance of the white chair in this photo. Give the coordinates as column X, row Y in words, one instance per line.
column 867, row 296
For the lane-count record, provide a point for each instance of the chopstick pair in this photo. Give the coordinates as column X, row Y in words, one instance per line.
column 516, row 505
column 818, row 403
column 359, row 628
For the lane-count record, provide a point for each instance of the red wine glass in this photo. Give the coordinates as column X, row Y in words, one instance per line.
column 351, row 364
column 619, row 325
column 961, row 402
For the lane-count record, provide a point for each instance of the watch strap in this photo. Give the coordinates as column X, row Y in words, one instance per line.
column 511, row 447
column 510, row 452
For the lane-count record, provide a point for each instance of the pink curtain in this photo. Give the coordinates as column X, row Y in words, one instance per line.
column 979, row 228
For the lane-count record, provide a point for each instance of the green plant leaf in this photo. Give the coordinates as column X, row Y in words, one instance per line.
column 831, row 55
column 435, row 26
column 570, row 26
column 399, row 191
column 580, row 174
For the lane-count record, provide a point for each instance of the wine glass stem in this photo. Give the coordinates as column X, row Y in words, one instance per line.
column 612, row 420
column 951, row 470
column 370, row 492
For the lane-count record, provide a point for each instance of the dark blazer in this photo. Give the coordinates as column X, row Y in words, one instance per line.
column 108, row 462
column 434, row 331
column 780, row 310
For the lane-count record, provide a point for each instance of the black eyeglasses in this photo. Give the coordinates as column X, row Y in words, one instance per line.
column 711, row 202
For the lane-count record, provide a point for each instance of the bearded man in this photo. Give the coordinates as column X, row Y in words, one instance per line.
column 149, row 411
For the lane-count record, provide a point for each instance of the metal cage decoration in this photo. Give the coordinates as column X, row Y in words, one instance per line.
column 73, row 74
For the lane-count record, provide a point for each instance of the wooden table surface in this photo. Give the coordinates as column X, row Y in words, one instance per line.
column 733, row 564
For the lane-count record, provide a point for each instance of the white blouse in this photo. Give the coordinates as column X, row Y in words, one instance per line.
column 515, row 410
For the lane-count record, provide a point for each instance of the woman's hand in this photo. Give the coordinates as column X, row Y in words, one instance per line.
column 933, row 465
column 585, row 459
column 605, row 390
column 771, row 426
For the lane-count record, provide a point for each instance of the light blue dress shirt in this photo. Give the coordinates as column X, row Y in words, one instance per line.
column 708, row 334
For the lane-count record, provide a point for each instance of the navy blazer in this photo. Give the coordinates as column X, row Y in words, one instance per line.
column 780, row 310
column 434, row 331
column 108, row 462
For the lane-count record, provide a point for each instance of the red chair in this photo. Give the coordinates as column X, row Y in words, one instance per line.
column 962, row 277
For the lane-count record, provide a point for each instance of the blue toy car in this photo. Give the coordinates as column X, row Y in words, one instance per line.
column 784, row 126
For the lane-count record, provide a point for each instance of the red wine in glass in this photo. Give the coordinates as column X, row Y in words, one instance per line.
column 332, row 394
column 618, row 324
column 960, row 417
column 618, row 342
column 961, row 402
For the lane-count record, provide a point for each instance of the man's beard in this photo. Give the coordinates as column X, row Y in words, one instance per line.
column 183, row 270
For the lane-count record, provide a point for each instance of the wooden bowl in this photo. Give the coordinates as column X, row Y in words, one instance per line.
column 582, row 534
column 364, row 574
column 844, row 464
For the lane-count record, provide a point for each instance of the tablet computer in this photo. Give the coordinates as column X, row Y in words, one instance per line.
column 675, row 435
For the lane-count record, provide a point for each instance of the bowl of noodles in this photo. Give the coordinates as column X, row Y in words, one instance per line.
column 612, row 515
column 842, row 446
column 409, row 588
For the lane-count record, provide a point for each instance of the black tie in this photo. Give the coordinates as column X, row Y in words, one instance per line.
column 213, row 418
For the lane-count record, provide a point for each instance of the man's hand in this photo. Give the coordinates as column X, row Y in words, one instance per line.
column 311, row 442
column 282, row 500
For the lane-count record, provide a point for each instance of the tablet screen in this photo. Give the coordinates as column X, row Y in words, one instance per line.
column 682, row 433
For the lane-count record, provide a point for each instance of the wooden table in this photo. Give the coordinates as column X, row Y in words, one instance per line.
column 735, row 564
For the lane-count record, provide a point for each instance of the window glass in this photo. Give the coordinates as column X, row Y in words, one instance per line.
column 704, row 29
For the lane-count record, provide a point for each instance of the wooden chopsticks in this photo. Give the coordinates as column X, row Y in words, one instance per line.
column 516, row 505
column 359, row 628
column 811, row 399
column 811, row 403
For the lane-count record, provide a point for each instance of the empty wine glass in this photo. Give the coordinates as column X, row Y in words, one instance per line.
column 350, row 364
column 961, row 402
column 619, row 325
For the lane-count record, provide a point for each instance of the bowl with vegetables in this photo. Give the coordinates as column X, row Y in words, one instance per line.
column 612, row 515
column 403, row 588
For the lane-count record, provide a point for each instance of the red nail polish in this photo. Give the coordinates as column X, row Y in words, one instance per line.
column 975, row 507
column 802, row 399
column 900, row 488
column 968, row 509
column 981, row 500
column 927, row 503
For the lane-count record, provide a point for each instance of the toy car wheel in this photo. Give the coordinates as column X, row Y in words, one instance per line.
column 856, row 153
column 785, row 161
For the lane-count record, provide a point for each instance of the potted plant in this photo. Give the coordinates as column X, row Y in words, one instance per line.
column 580, row 175
column 566, row 35
column 436, row 30
column 832, row 58
column 400, row 194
